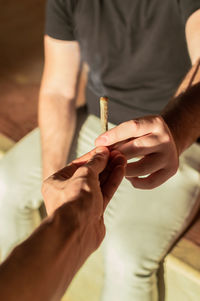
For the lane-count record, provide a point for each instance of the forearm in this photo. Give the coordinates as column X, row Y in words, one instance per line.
column 42, row 267
column 182, row 114
column 57, row 121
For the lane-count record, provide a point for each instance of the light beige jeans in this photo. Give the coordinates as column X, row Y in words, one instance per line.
column 142, row 225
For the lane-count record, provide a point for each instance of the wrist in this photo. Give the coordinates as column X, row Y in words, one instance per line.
column 76, row 212
column 182, row 116
column 174, row 130
column 49, row 169
column 76, row 230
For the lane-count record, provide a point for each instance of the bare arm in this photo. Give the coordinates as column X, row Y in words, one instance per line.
column 57, row 110
column 183, row 112
column 42, row 267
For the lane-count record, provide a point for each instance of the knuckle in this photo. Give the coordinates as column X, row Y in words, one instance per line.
column 90, row 172
column 164, row 141
column 150, row 183
column 167, row 138
column 63, row 196
column 98, row 158
column 136, row 143
column 158, row 119
column 159, row 124
column 86, row 171
column 115, row 133
column 135, row 124
column 81, row 189
column 136, row 184
column 85, row 188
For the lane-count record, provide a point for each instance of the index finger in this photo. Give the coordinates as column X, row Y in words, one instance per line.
column 64, row 173
column 68, row 171
column 126, row 130
column 85, row 158
column 96, row 163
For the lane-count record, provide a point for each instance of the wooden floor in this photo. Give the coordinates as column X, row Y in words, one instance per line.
column 21, row 59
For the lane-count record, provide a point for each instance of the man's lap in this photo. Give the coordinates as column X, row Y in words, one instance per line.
column 165, row 209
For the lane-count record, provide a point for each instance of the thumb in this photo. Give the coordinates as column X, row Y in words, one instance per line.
column 99, row 160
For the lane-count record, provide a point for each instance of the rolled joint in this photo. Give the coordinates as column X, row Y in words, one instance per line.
column 104, row 113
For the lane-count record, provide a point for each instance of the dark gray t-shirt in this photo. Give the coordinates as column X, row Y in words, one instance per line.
column 136, row 49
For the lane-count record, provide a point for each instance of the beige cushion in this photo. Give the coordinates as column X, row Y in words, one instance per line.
column 5, row 144
column 182, row 268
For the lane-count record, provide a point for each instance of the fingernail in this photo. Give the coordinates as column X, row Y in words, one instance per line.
column 102, row 140
column 101, row 150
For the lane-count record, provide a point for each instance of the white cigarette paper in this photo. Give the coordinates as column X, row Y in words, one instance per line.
column 104, row 113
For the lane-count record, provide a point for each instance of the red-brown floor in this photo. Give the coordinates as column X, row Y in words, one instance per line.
column 21, row 59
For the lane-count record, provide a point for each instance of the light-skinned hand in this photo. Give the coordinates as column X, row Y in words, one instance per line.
column 150, row 139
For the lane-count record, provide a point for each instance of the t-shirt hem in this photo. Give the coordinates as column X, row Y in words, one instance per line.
column 60, row 37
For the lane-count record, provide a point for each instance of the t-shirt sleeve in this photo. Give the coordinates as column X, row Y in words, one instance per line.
column 59, row 20
column 188, row 7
